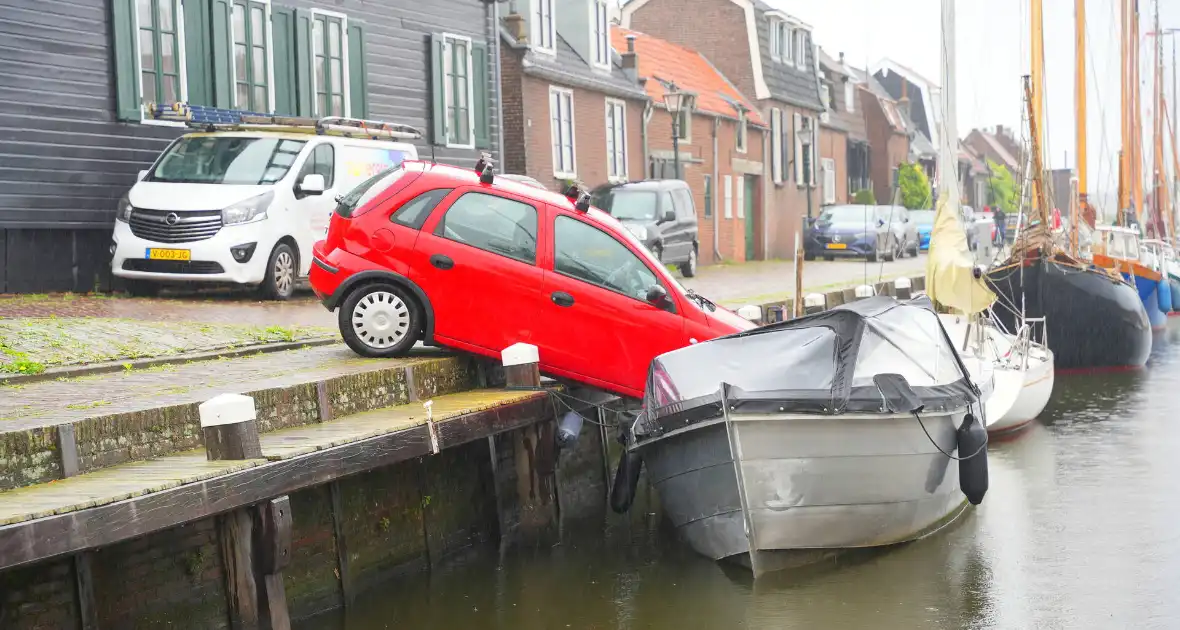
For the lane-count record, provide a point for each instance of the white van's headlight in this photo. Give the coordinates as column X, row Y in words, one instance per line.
column 252, row 209
column 123, row 210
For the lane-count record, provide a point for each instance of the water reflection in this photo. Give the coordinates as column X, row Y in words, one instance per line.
column 1079, row 530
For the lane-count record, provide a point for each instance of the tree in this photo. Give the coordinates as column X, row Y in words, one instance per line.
column 1001, row 187
column 864, row 197
column 915, row 187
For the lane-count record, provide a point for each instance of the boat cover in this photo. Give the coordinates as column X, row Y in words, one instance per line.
column 822, row 364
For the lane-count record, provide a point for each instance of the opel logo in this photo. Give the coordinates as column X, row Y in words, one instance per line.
column 836, row 238
column 172, row 218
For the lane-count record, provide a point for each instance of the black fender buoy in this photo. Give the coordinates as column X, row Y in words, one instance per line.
column 972, row 441
column 622, row 493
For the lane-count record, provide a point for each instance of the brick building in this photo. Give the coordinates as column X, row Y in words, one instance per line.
column 572, row 110
column 768, row 55
column 844, row 140
column 720, row 145
column 889, row 142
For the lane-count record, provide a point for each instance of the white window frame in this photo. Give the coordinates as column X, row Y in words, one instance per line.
column 343, row 56
column 270, row 60
column 600, row 42
column 619, row 107
column 554, row 140
column 849, row 96
column 728, row 196
column 740, row 205
column 182, row 68
column 743, row 133
column 686, row 127
column 799, row 43
column 829, row 171
column 779, row 32
column 537, row 33
column 798, row 127
column 447, row 39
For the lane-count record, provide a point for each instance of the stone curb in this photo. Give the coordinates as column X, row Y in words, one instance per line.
column 107, row 367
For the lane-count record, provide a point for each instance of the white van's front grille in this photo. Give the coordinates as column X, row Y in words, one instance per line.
column 163, row 226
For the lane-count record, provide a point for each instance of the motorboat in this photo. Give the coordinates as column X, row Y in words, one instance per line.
column 838, row 430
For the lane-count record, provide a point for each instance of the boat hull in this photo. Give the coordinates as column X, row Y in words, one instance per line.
column 761, row 489
column 1174, row 284
column 1092, row 320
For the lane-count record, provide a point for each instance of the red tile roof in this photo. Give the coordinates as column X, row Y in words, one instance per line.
column 688, row 69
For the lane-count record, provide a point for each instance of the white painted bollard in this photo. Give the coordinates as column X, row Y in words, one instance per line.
column 864, row 291
column 229, row 427
column 814, row 303
column 901, row 288
column 522, row 366
column 751, row 312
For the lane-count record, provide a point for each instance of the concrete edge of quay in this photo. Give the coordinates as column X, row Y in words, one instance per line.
column 56, row 451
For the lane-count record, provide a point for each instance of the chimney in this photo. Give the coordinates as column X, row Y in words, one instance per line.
column 516, row 26
column 630, row 60
column 999, row 130
column 841, row 57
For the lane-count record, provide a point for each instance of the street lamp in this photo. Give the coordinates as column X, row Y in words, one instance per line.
column 677, row 101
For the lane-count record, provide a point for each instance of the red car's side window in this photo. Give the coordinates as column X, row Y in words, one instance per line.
column 587, row 253
column 492, row 223
column 414, row 212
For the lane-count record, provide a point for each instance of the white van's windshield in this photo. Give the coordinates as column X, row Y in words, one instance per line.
column 233, row 160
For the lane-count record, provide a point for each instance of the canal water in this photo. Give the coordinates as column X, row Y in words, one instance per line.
column 1080, row 529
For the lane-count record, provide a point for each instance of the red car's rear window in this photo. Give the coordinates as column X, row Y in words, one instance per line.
column 370, row 193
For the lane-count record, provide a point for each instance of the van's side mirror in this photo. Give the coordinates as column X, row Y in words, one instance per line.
column 657, row 296
column 142, row 174
column 313, row 184
column 669, row 216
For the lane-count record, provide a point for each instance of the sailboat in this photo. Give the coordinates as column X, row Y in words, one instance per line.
column 1093, row 317
column 1020, row 365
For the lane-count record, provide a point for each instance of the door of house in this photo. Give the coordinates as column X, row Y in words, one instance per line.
column 751, row 192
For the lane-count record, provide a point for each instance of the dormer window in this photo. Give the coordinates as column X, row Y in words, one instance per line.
column 849, row 96
column 799, row 39
column 544, row 29
column 600, row 33
column 780, row 40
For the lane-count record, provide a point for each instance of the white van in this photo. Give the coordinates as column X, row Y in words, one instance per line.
column 243, row 203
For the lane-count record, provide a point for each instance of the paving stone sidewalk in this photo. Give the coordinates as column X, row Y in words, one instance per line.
column 48, row 403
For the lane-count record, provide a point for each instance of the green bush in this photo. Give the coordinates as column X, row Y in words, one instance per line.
column 864, row 197
column 1002, row 187
column 915, row 187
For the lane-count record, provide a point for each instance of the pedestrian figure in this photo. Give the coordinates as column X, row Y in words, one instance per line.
column 1001, row 226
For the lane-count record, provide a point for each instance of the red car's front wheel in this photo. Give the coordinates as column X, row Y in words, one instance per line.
column 380, row 320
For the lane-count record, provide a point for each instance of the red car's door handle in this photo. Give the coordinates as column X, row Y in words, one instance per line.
column 442, row 262
column 561, row 298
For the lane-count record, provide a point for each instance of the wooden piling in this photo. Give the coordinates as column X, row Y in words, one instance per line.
column 230, row 428
column 522, row 366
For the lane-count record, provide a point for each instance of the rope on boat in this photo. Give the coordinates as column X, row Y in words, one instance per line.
column 982, row 447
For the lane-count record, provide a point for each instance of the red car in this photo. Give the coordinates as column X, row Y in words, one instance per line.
column 463, row 259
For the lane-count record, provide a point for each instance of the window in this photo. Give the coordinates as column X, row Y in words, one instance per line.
column 323, row 161
column 683, row 201
column 784, row 144
column 829, row 180
column 160, row 61
column 708, row 196
column 684, row 125
column 493, row 224
column 328, row 67
column 776, row 153
column 616, row 140
column 561, row 121
column 666, row 204
column 231, row 160
column 728, row 197
column 251, row 52
column 849, row 96
column 585, row 253
column 457, row 91
column 544, row 29
column 600, row 33
column 414, row 212
column 780, row 40
column 743, row 132
column 800, row 38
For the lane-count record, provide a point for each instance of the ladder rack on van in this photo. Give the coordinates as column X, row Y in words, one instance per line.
column 216, row 119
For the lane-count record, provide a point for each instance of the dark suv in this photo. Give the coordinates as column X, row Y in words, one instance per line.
column 661, row 214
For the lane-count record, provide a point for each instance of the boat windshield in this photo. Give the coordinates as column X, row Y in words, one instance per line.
column 1121, row 245
column 228, row 160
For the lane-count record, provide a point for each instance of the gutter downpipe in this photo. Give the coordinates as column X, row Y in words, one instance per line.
column 647, row 113
column 495, row 33
column 716, row 171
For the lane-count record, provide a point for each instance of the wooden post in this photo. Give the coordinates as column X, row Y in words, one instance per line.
column 799, row 257
column 272, row 546
column 901, row 288
column 522, row 366
column 230, row 428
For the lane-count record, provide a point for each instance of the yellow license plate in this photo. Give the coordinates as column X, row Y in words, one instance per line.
column 168, row 254
column 837, row 246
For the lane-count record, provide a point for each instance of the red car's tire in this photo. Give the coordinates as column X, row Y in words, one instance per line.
column 380, row 320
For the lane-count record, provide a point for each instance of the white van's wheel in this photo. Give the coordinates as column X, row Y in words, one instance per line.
column 281, row 269
column 380, row 320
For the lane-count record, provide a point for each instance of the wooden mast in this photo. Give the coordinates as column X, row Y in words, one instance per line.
column 1159, row 221
column 1136, row 117
column 1080, row 83
column 1124, row 202
column 1036, row 96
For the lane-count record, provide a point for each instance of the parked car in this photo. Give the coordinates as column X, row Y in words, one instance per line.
column 904, row 232
column 661, row 214
column 923, row 222
column 241, row 206
column 847, row 230
column 428, row 252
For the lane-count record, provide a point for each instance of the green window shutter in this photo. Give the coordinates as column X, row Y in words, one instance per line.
column 358, row 78
column 283, row 31
column 480, row 95
column 197, row 35
column 222, row 58
column 303, row 53
column 126, row 69
column 438, row 87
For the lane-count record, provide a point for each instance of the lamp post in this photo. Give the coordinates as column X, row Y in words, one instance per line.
column 677, row 101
